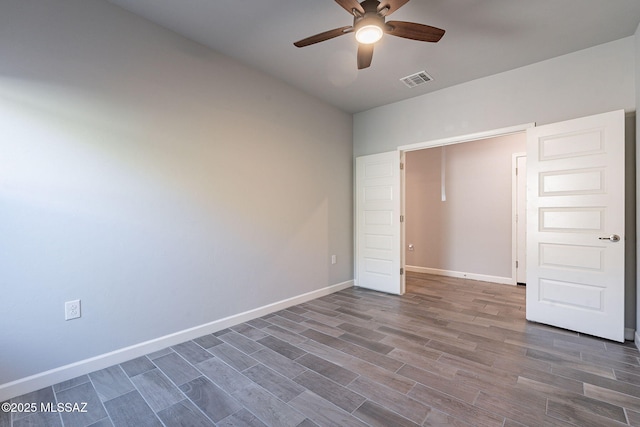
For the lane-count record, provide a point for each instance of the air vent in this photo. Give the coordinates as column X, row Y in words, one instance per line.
column 416, row 79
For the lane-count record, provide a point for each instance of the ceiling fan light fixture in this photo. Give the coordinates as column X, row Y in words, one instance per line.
column 369, row 26
column 369, row 34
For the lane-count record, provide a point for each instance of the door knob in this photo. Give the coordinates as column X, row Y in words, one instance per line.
column 612, row 238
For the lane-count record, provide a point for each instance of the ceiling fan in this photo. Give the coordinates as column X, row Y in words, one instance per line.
column 369, row 26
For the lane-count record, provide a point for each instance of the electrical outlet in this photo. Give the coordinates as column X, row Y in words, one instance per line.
column 72, row 309
column 333, row 259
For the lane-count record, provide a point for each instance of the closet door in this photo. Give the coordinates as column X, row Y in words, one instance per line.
column 378, row 248
column 575, row 218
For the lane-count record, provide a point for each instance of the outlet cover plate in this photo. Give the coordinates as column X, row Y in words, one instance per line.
column 72, row 309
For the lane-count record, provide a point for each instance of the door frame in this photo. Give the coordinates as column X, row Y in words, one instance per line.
column 403, row 222
column 514, row 210
column 450, row 141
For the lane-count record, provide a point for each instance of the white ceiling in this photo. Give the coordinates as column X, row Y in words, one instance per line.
column 483, row 37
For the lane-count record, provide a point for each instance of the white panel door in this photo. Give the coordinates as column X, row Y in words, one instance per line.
column 575, row 231
column 378, row 254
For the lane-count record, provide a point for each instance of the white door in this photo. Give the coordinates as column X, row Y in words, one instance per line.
column 575, row 233
column 378, row 250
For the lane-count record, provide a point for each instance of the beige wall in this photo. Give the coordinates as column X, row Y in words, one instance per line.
column 470, row 232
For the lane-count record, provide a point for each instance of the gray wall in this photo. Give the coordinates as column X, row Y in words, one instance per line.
column 164, row 185
column 579, row 84
column 469, row 232
column 591, row 81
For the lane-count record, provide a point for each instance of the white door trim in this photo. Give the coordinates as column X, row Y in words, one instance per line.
column 514, row 213
column 403, row 282
column 466, row 138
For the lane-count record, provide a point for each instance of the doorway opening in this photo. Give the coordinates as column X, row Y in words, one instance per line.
column 460, row 204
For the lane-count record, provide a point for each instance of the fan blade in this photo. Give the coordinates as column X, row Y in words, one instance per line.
column 393, row 5
column 323, row 36
column 365, row 55
column 413, row 31
column 349, row 5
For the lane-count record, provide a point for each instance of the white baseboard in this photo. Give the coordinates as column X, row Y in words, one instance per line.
column 637, row 340
column 82, row 367
column 461, row 275
column 629, row 333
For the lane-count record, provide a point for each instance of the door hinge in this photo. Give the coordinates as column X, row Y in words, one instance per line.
column 401, row 271
column 516, row 264
column 401, row 166
column 401, row 218
column 516, row 171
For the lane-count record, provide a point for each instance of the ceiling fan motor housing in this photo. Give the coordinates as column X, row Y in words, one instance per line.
column 370, row 19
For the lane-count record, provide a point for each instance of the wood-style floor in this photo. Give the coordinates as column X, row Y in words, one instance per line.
column 450, row 352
